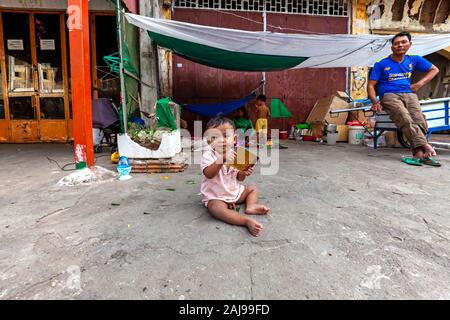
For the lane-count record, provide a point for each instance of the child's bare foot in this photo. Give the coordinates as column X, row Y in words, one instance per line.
column 254, row 227
column 257, row 209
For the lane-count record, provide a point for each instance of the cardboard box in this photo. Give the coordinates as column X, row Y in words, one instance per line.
column 316, row 129
column 342, row 133
column 321, row 110
column 392, row 140
column 360, row 115
column 343, row 95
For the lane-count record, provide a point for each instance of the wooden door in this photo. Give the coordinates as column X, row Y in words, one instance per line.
column 34, row 77
column 19, row 58
column 4, row 116
column 50, row 94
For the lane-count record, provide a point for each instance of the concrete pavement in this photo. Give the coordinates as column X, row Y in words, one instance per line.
column 346, row 222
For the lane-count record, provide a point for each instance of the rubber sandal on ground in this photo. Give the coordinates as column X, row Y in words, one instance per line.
column 430, row 162
column 412, row 161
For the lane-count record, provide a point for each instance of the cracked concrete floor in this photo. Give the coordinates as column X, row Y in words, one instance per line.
column 346, row 222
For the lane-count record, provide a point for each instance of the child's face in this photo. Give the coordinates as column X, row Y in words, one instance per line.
column 222, row 136
column 240, row 113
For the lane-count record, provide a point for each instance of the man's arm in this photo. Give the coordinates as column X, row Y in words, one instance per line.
column 374, row 77
column 427, row 78
column 372, row 92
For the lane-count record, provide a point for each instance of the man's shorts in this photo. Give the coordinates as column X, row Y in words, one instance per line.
column 261, row 125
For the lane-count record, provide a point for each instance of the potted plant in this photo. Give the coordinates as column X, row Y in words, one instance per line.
column 149, row 138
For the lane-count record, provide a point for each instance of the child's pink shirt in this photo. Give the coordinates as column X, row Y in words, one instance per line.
column 224, row 186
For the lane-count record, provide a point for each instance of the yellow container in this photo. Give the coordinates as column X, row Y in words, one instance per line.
column 244, row 159
column 115, row 157
column 342, row 133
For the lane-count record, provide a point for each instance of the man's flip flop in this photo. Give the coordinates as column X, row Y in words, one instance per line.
column 430, row 162
column 412, row 161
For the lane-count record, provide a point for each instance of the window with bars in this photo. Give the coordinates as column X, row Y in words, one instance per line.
column 310, row 7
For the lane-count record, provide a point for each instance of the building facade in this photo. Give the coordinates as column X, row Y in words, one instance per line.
column 298, row 89
column 415, row 16
column 35, row 95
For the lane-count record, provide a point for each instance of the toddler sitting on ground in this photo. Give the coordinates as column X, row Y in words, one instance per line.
column 220, row 184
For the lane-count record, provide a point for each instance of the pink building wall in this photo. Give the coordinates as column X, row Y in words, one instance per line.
column 132, row 5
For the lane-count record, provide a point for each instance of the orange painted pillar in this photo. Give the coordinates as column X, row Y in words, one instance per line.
column 78, row 25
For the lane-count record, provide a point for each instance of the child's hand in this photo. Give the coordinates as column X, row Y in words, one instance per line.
column 227, row 155
column 230, row 156
column 248, row 171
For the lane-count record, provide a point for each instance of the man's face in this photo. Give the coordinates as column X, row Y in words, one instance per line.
column 401, row 45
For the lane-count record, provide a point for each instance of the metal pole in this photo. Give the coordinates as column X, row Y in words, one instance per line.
column 123, row 95
column 265, row 30
column 348, row 69
column 80, row 67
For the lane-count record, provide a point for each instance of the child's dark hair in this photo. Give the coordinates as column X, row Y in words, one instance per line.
column 218, row 121
column 244, row 112
column 402, row 34
column 261, row 97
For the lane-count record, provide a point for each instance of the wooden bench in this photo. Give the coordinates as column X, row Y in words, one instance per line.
column 436, row 111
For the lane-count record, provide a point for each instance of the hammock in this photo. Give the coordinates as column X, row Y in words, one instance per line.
column 224, row 108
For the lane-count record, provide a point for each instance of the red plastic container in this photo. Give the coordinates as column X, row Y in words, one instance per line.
column 284, row 135
column 309, row 138
column 355, row 123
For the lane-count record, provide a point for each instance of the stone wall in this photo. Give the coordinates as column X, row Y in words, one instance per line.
column 430, row 16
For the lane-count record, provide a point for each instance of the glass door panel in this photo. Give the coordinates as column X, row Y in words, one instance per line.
column 52, row 108
column 53, row 125
column 48, row 53
column 21, row 77
column 22, row 108
column 16, row 34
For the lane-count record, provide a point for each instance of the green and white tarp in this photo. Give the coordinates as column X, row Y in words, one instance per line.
column 164, row 115
column 240, row 50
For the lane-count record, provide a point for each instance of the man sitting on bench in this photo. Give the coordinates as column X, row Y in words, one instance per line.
column 390, row 78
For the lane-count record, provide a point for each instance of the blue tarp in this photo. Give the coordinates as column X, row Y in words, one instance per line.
column 224, row 108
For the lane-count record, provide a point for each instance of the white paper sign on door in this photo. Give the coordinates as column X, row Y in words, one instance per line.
column 47, row 44
column 15, row 44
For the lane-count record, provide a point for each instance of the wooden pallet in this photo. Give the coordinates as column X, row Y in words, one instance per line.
column 156, row 166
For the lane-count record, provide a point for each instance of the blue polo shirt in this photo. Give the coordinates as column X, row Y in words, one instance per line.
column 395, row 77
